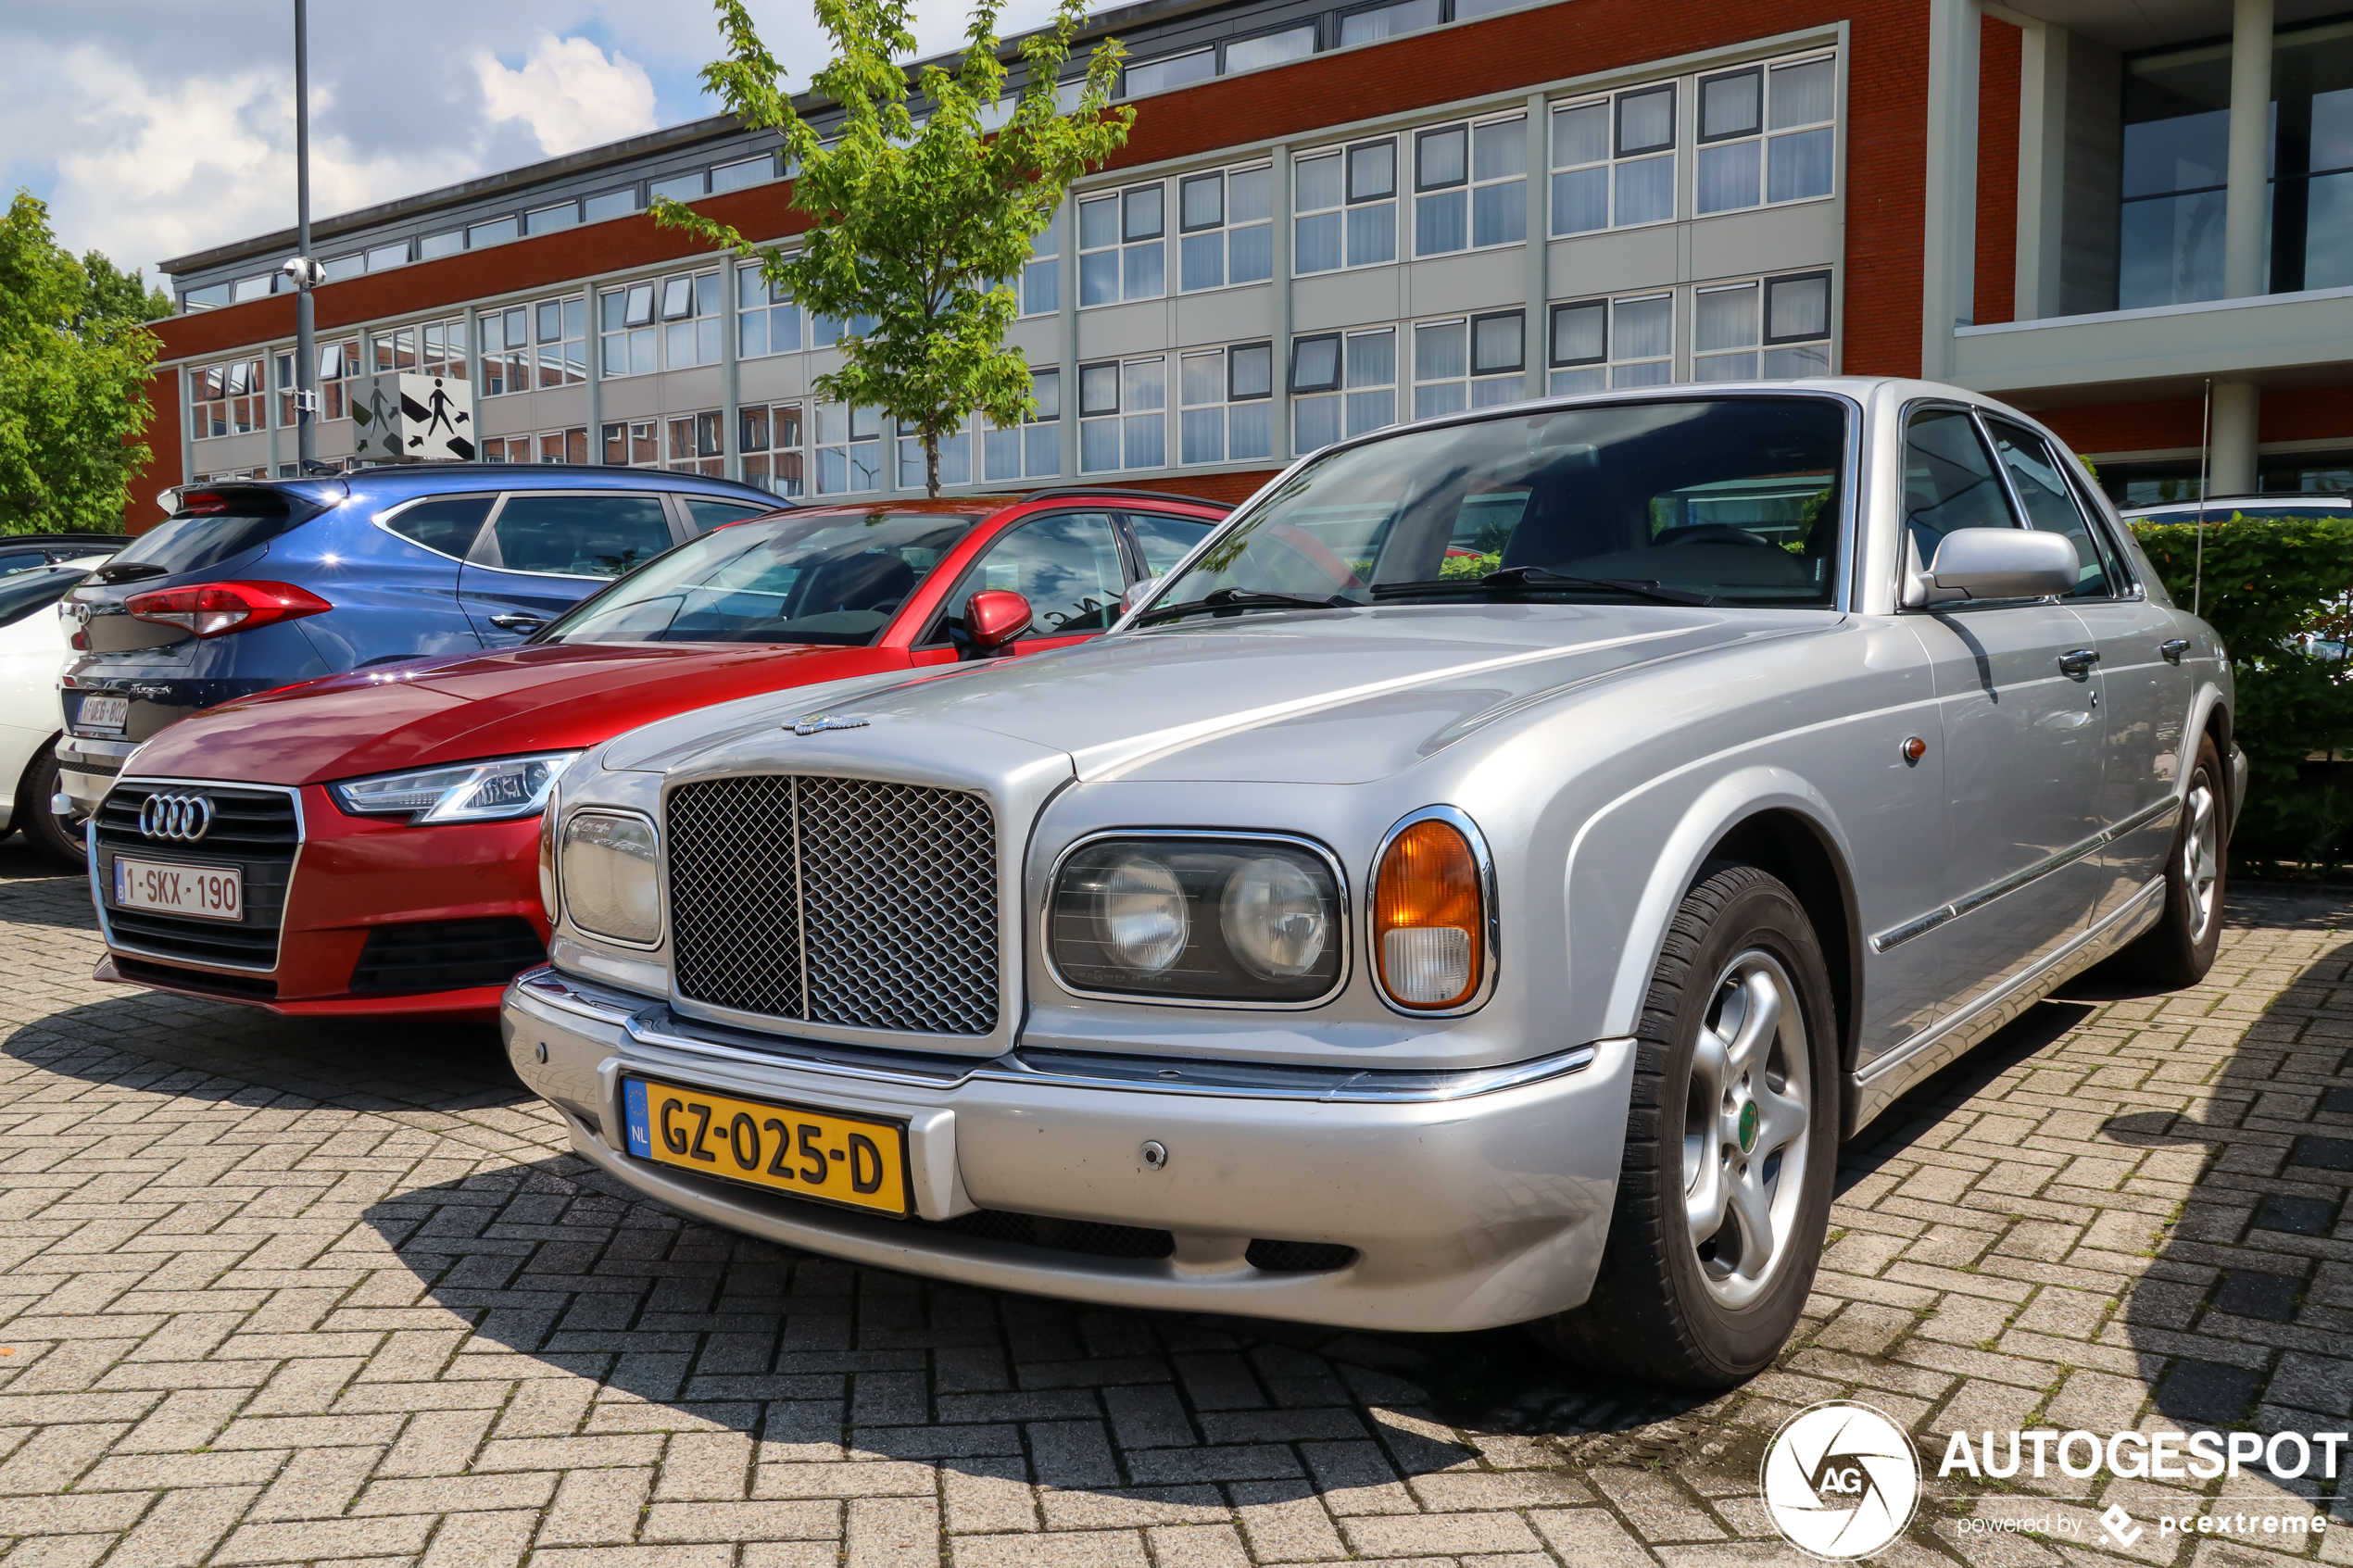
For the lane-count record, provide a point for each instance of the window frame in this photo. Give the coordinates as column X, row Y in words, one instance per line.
column 1227, row 403
column 1470, row 183
column 1349, row 204
column 1120, row 415
column 1224, row 175
column 1608, row 362
column 1119, row 197
column 1613, row 159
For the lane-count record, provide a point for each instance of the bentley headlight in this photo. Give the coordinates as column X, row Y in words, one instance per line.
column 1198, row 919
column 496, row 791
column 611, row 885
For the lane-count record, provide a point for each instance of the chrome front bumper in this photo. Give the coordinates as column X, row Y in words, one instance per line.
column 1472, row 1199
column 87, row 768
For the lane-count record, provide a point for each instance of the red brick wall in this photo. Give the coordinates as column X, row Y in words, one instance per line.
column 1885, row 157
column 163, row 453
column 1999, row 45
column 2322, row 413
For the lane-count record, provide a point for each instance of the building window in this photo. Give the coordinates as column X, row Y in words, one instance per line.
column 690, row 316
column 1603, row 343
column 955, row 456
column 1032, row 450
column 825, row 331
column 633, row 444
column 433, row 247
column 738, row 176
column 548, row 447
column 338, row 362
column 535, row 345
column 848, row 449
column 341, row 267
column 1343, row 385
column 498, row 231
column 1387, row 21
column 1613, row 161
column 1470, row 186
column 1271, row 48
column 695, row 445
column 549, row 220
column 383, row 258
column 1765, row 123
column 1346, row 206
column 1779, row 328
column 443, row 348
column 1041, row 275
column 1225, row 221
column 1226, row 404
column 1470, row 362
column 770, row 440
column 228, row 399
column 1123, row 415
column 682, row 187
column 613, row 203
column 627, row 319
column 767, row 322
column 1170, row 71
column 394, row 350
column 1121, row 253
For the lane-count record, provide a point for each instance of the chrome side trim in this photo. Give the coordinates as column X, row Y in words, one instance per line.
column 647, row 1022
column 1919, row 925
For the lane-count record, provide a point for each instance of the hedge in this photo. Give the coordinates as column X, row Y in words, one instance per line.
column 2277, row 590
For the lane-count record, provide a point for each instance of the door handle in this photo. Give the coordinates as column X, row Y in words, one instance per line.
column 518, row 622
column 2078, row 661
column 2174, row 649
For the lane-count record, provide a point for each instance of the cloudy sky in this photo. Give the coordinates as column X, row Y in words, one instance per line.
column 156, row 129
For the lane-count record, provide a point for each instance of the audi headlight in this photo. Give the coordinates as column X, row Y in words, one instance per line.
column 469, row 791
column 612, row 887
column 1198, row 919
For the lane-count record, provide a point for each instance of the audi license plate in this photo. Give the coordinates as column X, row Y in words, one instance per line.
column 103, row 713
column 821, row 1154
column 205, row 892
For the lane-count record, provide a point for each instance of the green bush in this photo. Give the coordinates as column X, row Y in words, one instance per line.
column 2273, row 588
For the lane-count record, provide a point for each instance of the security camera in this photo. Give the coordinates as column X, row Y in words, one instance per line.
column 304, row 272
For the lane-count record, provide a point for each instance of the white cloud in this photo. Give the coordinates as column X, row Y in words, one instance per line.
column 569, row 94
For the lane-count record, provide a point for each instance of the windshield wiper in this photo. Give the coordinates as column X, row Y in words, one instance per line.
column 1240, row 598
column 1542, row 577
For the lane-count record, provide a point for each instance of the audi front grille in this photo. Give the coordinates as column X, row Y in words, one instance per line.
column 832, row 900
column 256, row 830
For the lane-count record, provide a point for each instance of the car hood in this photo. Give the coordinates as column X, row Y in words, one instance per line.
column 1276, row 698
column 543, row 698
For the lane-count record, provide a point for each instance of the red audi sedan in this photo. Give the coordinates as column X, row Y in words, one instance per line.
column 368, row 843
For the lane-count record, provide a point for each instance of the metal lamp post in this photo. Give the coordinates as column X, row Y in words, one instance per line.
column 306, row 271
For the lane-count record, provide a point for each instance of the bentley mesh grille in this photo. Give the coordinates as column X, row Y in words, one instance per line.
column 833, row 900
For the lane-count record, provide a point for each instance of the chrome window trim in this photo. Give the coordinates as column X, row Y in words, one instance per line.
column 647, row 1023
column 1919, row 925
column 1240, row 836
column 180, row 960
column 661, row 873
column 384, row 519
column 1985, row 417
column 1460, row 821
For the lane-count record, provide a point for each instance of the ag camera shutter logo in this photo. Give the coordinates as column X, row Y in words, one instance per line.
column 1841, row 1480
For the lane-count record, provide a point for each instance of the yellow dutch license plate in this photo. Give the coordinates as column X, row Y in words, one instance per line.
column 821, row 1154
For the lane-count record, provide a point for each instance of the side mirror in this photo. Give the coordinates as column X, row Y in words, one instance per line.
column 1138, row 592
column 1991, row 563
column 993, row 618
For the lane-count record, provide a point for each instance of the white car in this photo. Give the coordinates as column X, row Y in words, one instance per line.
column 34, row 650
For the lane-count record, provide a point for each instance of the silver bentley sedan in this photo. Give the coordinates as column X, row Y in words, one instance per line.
column 1480, row 883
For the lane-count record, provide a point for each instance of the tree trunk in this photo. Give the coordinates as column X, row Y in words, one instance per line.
column 931, row 462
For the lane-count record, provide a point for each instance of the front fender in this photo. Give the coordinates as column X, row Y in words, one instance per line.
column 1686, row 817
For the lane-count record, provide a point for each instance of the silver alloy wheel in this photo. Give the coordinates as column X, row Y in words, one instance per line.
column 1746, row 1121
column 2201, row 858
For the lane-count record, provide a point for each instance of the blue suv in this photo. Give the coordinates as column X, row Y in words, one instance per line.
column 252, row 585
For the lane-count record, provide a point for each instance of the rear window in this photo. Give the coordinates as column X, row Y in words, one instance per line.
column 25, row 592
column 193, row 542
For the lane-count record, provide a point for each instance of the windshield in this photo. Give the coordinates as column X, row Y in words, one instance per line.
column 26, row 592
column 827, row 577
column 1698, row 500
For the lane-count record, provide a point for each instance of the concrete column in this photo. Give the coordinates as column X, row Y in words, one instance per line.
column 2238, row 409
column 595, row 382
column 2248, row 195
column 731, row 372
column 1066, row 298
column 1280, row 310
column 2042, row 170
column 1948, row 260
column 1540, row 247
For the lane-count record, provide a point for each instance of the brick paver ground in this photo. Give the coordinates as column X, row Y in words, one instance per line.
column 276, row 1292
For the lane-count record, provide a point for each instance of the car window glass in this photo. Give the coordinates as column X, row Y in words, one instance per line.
column 1065, row 564
column 22, row 595
column 707, row 515
column 1948, row 480
column 447, row 523
column 2050, row 505
column 1165, row 539
column 192, row 543
column 577, row 535
column 827, row 577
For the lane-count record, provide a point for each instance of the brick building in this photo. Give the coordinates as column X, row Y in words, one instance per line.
column 2133, row 219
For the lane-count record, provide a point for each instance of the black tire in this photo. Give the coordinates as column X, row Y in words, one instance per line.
column 1666, row 1308
column 54, row 838
column 2178, row 949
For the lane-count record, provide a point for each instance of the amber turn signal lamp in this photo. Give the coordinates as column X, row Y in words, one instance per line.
column 1429, row 940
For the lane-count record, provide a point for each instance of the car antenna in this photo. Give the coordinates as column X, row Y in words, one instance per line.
column 2205, row 461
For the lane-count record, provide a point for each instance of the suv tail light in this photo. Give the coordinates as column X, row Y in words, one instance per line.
column 214, row 609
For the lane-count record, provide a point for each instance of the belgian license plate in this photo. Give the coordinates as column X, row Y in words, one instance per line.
column 823, row 1154
column 205, row 892
column 103, row 713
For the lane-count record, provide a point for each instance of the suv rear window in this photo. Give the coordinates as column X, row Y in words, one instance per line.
column 192, row 541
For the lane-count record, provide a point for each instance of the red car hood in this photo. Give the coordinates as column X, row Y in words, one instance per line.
column 549, row 698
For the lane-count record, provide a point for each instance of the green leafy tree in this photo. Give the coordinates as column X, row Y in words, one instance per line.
column 74, row 361
column 920, row 228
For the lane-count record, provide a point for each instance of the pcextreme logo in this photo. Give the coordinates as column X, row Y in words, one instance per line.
column 1841, row 1480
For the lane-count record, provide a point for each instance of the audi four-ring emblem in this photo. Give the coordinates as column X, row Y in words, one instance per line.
column 183, row 817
